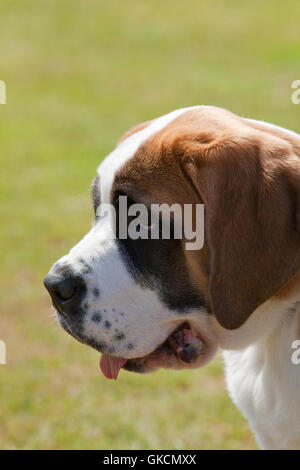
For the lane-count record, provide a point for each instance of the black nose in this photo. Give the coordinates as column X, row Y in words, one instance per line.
column 66, row 291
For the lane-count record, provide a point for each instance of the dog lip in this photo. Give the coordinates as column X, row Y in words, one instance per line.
column 166, row 355
column 60, row 312
column 170, row 353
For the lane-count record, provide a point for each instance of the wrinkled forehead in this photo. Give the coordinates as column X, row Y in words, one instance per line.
column 128, row 148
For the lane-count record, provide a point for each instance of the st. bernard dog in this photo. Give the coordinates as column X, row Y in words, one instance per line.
column 142, row 303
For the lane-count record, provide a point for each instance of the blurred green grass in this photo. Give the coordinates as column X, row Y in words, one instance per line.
column 78, row 74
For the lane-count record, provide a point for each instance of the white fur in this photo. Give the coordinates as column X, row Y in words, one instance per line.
column 264, row 383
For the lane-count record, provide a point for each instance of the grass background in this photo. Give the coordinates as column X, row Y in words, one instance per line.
column 78, row 74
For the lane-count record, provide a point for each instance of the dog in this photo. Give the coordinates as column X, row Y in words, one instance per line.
column 150, row 303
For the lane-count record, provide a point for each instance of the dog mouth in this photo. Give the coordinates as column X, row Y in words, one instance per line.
column 183, row 348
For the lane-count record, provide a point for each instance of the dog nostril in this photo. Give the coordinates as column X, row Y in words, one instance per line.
column 65, row 289
column 61, row 289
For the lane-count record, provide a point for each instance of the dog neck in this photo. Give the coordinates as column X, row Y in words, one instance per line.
column 261, row 377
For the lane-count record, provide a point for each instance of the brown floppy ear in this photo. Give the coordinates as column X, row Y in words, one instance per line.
column 251, row 192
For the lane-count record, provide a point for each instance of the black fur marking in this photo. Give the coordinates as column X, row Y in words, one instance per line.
column 107, row 324
column 120, row 336
column 96, row 292
column 63, row 269
column 96, row 317
column 160, row 265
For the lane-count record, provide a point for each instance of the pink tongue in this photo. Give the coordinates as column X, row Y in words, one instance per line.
column 110, row 366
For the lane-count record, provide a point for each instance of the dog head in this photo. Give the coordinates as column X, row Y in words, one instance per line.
column 147, row 303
